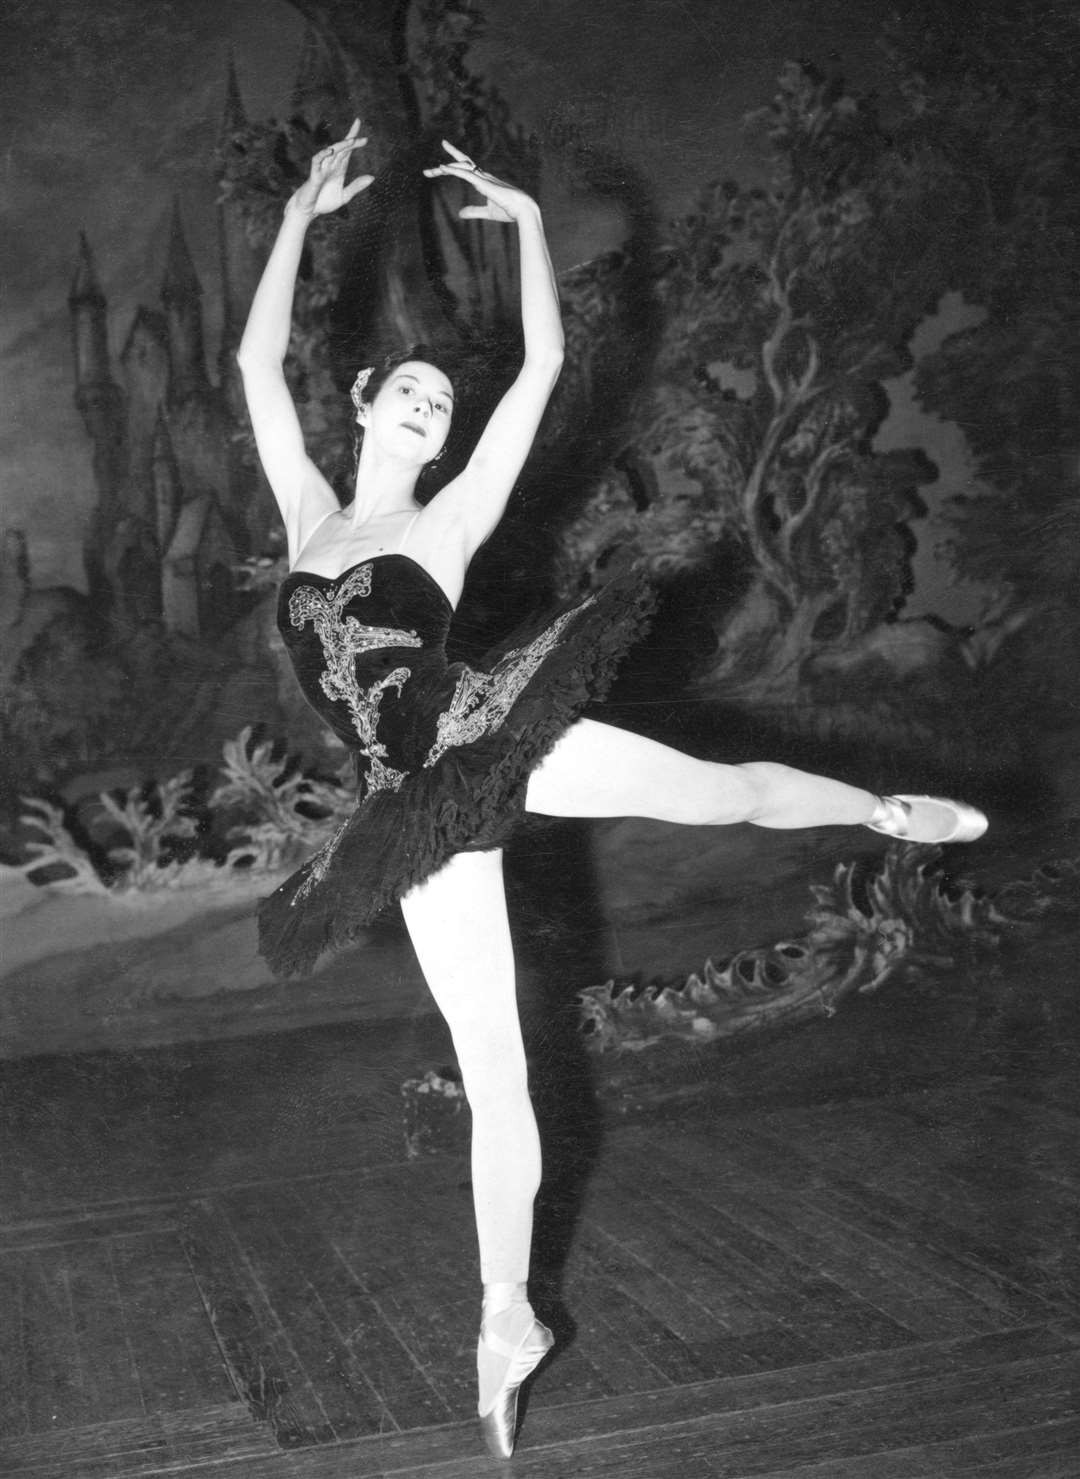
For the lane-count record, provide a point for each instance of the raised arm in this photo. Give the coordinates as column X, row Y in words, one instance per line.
column 480, row 494
column 303, row 495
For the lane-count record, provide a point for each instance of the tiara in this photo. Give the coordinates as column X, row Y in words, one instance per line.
column 358, row 385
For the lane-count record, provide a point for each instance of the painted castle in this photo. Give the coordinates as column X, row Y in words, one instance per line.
column 179, row 508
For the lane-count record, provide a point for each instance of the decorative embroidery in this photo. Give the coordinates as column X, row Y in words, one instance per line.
column 343, row 639
column 482, row 700
column 316, row 866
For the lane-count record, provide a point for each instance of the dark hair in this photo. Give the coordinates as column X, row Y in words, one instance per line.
column 385, row 367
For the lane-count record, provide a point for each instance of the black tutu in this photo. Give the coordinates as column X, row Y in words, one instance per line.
column 444, row 750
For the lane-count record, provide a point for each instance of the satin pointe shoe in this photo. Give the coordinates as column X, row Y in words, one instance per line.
column 498, row 1422
column 948, row 821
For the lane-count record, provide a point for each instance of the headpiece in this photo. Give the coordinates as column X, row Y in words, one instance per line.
column 358, row 385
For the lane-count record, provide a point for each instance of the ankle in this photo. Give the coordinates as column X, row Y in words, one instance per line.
column 888, row 811
column 501, row 1299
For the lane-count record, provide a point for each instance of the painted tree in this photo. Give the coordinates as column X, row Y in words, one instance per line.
column 401, row 268
column 998, row 105
column 785, row 308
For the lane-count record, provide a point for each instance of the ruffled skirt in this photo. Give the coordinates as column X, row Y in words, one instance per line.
column 472, row 798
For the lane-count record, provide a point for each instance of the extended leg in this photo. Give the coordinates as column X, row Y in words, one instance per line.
column 596, row 770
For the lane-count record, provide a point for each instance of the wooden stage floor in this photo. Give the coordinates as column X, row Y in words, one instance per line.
column 216, row 1261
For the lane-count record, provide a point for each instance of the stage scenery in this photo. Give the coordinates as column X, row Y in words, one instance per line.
column 807, row 1094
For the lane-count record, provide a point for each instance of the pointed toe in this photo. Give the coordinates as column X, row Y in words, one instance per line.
column 498, row 1421
column 928, row 819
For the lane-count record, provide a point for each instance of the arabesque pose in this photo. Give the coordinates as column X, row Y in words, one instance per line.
column 450, row 757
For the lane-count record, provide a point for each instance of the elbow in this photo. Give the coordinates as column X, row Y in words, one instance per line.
column 254, row 366
column 549, row 363
column 257, row 352
column 259, row 376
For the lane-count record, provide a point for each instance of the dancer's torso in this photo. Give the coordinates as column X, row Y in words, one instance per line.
column 369, row 650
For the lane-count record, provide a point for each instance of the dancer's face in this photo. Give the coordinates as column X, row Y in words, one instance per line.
column 411, row 414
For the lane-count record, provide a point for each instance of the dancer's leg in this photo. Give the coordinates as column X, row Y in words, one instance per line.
column 596, row 770
column 459, row 929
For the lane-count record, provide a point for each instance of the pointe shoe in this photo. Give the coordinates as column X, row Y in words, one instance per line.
column 893, row 817
column 499, row 1422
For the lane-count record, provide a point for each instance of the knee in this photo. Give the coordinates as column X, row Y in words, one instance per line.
column 736, row 793
column 762, row 781
column 494, row 1074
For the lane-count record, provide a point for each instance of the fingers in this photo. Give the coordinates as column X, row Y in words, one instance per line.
column 489, row 212
column 354, row 188
column 456, row 154
column 337, row 155
column 470, row 173
column 460, row 165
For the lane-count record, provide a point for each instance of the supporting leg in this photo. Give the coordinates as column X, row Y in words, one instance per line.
column 459, row 929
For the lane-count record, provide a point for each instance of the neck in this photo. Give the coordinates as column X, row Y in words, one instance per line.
column 383, row 486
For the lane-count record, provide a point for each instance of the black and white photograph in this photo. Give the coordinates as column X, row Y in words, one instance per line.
column 539, row 716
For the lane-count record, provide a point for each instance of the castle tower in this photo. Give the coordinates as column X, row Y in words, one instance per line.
column 14, row 577
column 241, row 265
column 320, row 94
column 89, row 332
column 100, row 403
column 144, row 363
column 181, row 297
column 165, row 478
column 194, row 408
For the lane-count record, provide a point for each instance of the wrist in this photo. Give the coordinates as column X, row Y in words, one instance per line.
column 528, row 212
column 297, row 210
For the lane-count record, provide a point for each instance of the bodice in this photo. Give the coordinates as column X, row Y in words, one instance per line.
column 369, row 650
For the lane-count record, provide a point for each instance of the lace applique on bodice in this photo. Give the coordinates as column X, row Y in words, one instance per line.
column 344, row 639
column 482, row 700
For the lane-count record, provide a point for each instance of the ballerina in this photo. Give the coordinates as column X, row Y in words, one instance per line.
column 451, row 757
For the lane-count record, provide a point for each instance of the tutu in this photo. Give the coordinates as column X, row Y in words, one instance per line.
column 444, row 750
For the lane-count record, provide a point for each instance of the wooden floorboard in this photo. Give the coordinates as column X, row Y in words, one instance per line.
column 761, row 1214
column 160, row 1443
column 797, row 1279
column 838, row 1224
column 256, row 1347
column 860, row 1288
column 814, row 1159
column 940, row 1409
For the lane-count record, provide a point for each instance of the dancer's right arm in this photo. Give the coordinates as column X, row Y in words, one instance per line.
column 303, row 495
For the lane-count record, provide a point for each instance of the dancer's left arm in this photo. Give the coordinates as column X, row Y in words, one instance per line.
column 478, row 498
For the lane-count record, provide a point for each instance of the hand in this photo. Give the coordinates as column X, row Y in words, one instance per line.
column 502, row 202
column 325, row 189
